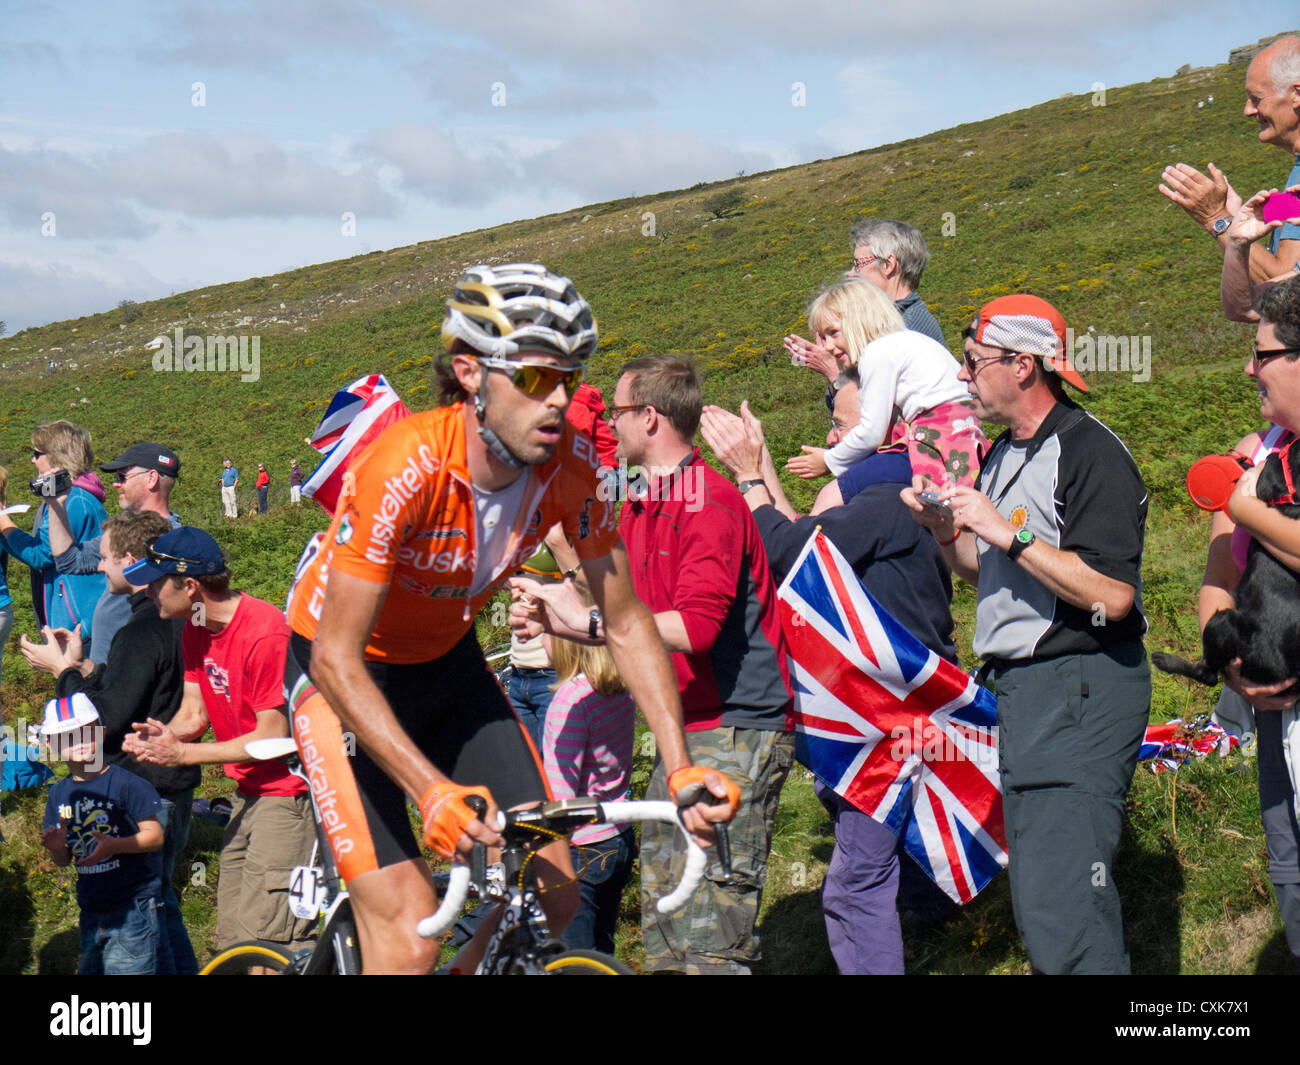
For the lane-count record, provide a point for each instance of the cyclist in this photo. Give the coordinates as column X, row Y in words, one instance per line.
column 436, row 514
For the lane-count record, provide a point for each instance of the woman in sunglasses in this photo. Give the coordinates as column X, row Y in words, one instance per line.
column 1251, row 709
column 64, row 479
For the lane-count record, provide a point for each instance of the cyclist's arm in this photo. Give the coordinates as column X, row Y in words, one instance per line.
column 638, row 653
column 338, row 668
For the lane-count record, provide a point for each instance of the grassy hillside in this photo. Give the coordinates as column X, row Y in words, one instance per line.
column 1059, row 199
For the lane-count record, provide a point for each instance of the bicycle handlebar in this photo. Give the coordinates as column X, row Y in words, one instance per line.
column 609, row 813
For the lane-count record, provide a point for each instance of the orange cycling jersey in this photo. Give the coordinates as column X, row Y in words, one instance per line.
column 406, row 518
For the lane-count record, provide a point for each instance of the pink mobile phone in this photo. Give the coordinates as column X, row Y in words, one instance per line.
column 1281, row 206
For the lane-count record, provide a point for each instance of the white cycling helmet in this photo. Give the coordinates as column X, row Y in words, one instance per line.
column 490, row 302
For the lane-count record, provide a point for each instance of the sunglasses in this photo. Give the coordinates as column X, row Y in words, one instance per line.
column 537, row 379
column 974, row 365
column 122, row 478
column 1260, row 357
column 37, row 452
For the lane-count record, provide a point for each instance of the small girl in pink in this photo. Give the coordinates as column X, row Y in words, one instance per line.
column 587, row 751
column 909, row 388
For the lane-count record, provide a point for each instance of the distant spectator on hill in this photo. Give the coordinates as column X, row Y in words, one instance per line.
column 63, row 458
column 144, row 476
column 229, row 482
column 1272, row 101
column 296, row 477
column 263, row 487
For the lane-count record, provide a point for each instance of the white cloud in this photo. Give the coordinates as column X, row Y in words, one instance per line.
column 38, row 290
column 608, row 162
column 236, row 174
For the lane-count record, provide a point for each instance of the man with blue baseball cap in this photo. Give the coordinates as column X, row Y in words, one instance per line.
column 234, row 650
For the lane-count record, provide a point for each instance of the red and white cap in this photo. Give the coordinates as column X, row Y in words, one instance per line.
column 68, row 713
column 1030, row 325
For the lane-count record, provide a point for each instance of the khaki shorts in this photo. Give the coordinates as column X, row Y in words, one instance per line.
column 266, row 837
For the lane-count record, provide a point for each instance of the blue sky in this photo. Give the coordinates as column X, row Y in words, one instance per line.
column 428, row 118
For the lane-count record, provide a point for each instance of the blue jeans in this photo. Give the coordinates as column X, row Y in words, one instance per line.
column 608, row 865
column 261, row 499
column 6, row 624
column 175, row 952
column 530, row 694
column 121, row 942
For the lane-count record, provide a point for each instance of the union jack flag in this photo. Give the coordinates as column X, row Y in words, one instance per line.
column 895, row 729
column 356, row 415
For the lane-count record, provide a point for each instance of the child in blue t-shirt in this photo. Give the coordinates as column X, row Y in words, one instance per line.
column 105, row 819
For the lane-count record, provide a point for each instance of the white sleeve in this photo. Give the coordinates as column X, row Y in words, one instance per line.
column 879, row 383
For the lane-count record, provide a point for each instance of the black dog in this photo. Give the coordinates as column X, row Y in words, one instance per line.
column 1264, row 628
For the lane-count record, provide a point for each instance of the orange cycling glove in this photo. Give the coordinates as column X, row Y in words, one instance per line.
column 686, row 786
column 446, row 814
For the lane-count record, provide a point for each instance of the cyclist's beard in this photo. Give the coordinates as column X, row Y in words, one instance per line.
column 515, row 444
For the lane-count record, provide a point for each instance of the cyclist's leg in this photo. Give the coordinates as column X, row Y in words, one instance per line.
column 388, row 903
column 492, row 747
column 366, row 823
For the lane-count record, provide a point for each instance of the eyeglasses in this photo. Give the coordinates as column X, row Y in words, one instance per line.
column 612, row 413
column 1259, row 357
column 974, row 366
column 37, row 453
column 537, row 379
column 862, row 264
column 121, row 478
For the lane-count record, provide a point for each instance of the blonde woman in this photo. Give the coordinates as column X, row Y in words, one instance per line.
column 909, row 387
column 587, row 750
column 63, row 459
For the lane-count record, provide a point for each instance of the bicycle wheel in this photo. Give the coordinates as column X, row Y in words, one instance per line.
column 586, row 963
column 239, row 959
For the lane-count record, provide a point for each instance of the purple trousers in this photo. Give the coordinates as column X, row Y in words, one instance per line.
column 860, row 892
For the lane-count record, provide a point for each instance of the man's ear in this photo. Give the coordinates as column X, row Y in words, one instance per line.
column 468, row 372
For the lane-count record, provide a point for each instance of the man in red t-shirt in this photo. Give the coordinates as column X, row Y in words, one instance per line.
column 234, row 654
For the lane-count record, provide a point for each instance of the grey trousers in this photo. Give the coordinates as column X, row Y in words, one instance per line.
column 1069, row 729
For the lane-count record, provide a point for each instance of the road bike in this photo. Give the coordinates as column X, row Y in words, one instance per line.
column 521, row 943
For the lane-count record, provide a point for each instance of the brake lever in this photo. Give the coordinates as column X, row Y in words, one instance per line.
column 689, row 796
column 478, row 855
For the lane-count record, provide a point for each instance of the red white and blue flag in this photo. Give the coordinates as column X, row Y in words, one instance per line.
column 895, row 729
column 356, row 415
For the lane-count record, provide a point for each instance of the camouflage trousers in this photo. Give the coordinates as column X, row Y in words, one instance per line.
column 714, row 933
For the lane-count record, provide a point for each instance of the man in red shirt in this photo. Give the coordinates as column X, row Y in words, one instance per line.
column 234, row 652
column 699, row 565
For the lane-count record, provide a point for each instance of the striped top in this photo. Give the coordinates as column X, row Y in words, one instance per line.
column 587, row 748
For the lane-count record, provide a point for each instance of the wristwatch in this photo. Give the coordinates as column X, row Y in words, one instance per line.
column 1221, row 225
column 1023, row 539
column 593, row 623
column 745, row 486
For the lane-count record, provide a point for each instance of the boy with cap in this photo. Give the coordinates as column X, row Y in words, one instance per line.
column 234, row 649
column 106, row 820
column 1052, row 535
